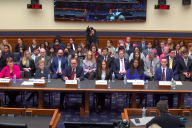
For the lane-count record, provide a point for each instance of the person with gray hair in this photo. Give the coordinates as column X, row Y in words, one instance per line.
column 165, row 120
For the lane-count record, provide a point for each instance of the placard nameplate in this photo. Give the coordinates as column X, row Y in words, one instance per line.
column 5, row 82
column 71, row 83
column 38, row 81
column 165, row 84
column 138, row 84
column 131, row 81
column 101, row 84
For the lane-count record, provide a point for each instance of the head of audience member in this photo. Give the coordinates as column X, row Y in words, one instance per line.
column 182, row 42
column 20, row 41
column 185, row 53
column 41, row 64
column 71, row 40
column 5, row 41
column 164, row 62
column 83, row 44
column 122, row 48
column 156, row 41
column 6, row 48
column 169, row 41
column 172, row 53
column 92, row 31
column 26, row 56
column 66, row 51
column 149, row 45
column 165, row 50
column 143, row 40
column 135, row 66
column 109, row 43
column 190, row 47
column 21, row 50
column 42, row 45
column 162, row 44
column 75, row 55
column 36, row 51
column 34, row 42
column 9, row 62
column 151, row 56
column 69, row 45
column 42, row 52
column 103, row 65
column 57, row 40
column 177, row 46
column 136, row 48
column 90, row 57
column 162, row 107
column 74, row 63
column 93, row 48
column 60, row 53
column 128, row 40
column 79, row 49
column 104, row 51
column 121, row 54
column 182, row 49
column 51, row 49
column 136, row 55
column 46, row 44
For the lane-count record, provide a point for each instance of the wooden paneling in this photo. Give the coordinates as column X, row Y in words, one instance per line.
column 78, row 39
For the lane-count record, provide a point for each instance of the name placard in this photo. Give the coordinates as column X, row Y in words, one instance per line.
column 164, row 82
column 39, row 81
column 4, row 80
column 131, row 81
column 101, row 82
column 71, row 82
column 138, row 84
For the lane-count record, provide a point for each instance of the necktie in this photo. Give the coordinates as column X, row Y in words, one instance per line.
column 105, row 58
column 72, row 74
column 122, row 65
column 163, row 75
column 59, row 65
column 151, row 67
column 171, row 62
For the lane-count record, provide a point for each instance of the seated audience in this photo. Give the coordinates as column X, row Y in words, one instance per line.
column 89, row 66
column 107, row 58
column 57, row 44
column 80, row 51
column 165, row 53
column 103, row 73
column 83, row 45
column 136, row 55
column 142, row 45
column 69, row 46
column 94, row 49
column 67, row 55
column 20, row 43
column 51, row 52
column 136, row 48
column 169, row 43
column 72, row 41
column 160, row 49
column 33, row 46
column 47, row 46
column 182, row 43
column 7, row 52
column 173, row 63
column 156, row 43
column 58, row 65
column 110, row 47
column 8, row 72
column 164, row 73
column 150, row 65
column 5, row 42
column 120, row 66
column 155, row 53
column 177, row 49
column 2, row 61
column 185, row 68
column 72, row 72
column 126, row 55
column 44, row 57
column 165, row 120
column 42, row 72
column 190, row 50
column 35, row 54
column 20, row 55
column 128, row 46
column 148, row 49
column 42, row 45
column 27, row 65
column 75, row 55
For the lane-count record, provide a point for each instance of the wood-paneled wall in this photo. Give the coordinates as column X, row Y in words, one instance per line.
column 78, row 39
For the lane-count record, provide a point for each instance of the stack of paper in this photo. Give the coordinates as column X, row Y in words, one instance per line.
column 143, row 121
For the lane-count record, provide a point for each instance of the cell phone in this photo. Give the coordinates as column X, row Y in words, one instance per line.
column 137, row 120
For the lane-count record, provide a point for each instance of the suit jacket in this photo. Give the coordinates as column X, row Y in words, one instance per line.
column 140, row 46
column 166, row 121
column 45, row 73
column 87, row 66
column 159, row 51
column 183, row 68
column 17, row 47
column 109, row 62
column 68, row 70
column 31, row 65
column 158, row 74
column 175, row 65
column 116, row 65
column 155, row 65
column 107, row 77
column 5, row 72
column 146, row 52
column 54, row 65
column 2, row 63
column 47, row 61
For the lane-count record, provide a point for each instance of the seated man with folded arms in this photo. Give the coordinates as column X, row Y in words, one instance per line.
column 173, row 63
column 150, row 65
column 58, row 64
column 185, row 69
column 72, row 72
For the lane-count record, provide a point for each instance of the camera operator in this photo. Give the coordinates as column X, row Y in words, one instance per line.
column 92, row 37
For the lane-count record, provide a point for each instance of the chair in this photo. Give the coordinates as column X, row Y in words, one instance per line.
column 15, row 54
column 95, row 99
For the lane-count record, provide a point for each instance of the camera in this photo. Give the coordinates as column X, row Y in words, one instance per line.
column 88, row 30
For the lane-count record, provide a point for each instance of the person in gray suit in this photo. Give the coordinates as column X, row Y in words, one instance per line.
column 150, row 65
column 149, row 48
column 44, row 57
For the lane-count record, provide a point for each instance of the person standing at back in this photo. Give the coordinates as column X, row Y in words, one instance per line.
column 20, row 43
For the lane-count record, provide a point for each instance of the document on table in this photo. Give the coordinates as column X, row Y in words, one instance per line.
column 27, row 83
column 143, row 121
column 179, row 83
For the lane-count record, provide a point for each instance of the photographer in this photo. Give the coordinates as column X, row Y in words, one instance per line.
column 92, row 37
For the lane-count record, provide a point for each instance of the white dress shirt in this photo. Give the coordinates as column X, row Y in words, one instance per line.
column 164, row 71
column 121, row 64
column 73, row 47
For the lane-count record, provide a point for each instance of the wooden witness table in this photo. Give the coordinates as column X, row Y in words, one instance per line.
column 88, row 86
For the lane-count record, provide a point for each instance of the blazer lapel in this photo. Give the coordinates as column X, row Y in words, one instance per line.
column 70, row 70
column 161, row 73
column 167, row 73
column 125, row 61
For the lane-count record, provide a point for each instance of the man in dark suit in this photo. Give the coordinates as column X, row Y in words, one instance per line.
column 72, row 41
column 173, row 63
column 72, row 72
column 160, row 49
column 185, row 69
column 120, row 66
column 107, row 58
column 165, row 120
column 58, row 64
column 129, row 45
column 142, row 45
column 164, row 73
column 148, row 49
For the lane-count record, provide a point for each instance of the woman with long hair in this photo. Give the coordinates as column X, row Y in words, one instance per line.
column 182, row 42
column 69, row 46
column 5, row 42
column 137, row 56
column 27, row 64
column 94, row 49
column 46, row 45
column 89, row 66
column 75, row 55
column 6, row 53
column 51, row 52
column 169, row 43
column 80, row 51
column 103, row 73
column 137, row 48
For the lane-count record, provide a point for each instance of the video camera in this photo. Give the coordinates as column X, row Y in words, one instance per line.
column 121, row 124
column 88, row 30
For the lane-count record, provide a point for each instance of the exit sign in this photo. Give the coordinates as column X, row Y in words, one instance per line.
column 32, row 6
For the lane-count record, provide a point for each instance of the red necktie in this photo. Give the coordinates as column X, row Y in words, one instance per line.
column 163, row 75
column 72, row 75
column 105, row 58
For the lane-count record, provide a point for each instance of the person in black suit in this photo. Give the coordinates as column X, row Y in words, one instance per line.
column 173, row 63
column 156, row 43
column 185, row 70
column 72, row 41
column 20, row 43
column 136, row 55
column 165, row 120
column 27, row 65
column 107, row 58
column 120, row 66
column 129, row 45
column 103, row 73
column 72, row 72
column 160, row 49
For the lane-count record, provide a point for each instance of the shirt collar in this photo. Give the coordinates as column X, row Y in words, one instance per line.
column 185, row 59
column 121, row 59
column 170, row 58
column 163, row 68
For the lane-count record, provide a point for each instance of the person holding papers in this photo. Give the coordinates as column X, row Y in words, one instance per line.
column 164, row 73
column 72, row 72
column 103, row 73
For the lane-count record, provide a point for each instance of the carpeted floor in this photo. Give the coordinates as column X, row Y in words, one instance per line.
column 71, row 112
